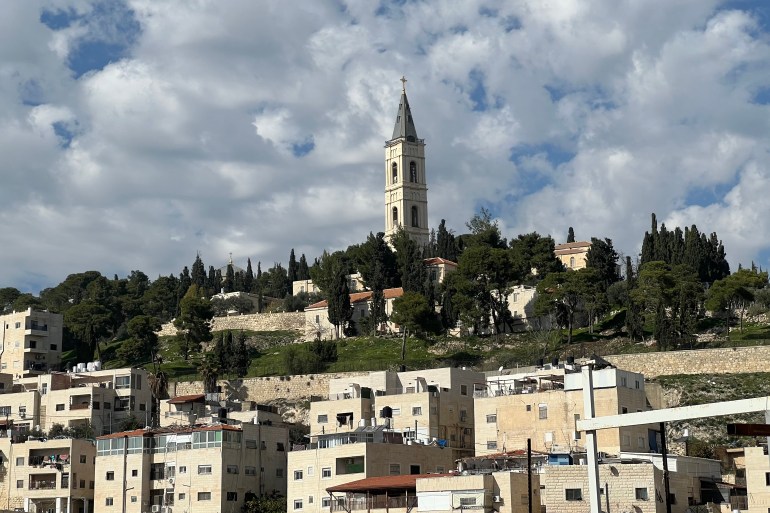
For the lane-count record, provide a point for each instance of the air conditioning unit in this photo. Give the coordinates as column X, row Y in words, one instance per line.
column 155, row 508
column 497, row 498
column 171, row 481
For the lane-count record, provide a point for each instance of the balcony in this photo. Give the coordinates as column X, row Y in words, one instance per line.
column 43, row 482
column 38, row 330
column 374, row 503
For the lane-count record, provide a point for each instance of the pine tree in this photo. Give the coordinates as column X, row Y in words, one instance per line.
column 570, row 235
column 198, row 274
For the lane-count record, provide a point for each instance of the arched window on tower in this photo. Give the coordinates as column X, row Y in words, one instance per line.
column 415, row 219
column 395, row 216
column 412, row 172
column 395, row 173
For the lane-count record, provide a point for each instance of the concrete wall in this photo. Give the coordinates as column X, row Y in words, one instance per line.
column 291, row 321
column 704, row 361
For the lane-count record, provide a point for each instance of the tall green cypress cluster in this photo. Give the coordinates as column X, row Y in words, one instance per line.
column 704, row 254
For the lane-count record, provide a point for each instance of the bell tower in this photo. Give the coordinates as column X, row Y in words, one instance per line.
column 406, row 185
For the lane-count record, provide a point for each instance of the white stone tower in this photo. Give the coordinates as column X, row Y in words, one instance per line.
column 406, row 185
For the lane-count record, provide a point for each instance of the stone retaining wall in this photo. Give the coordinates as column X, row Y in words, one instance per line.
column 262, row 390
column 283, row 321
column 704, row 361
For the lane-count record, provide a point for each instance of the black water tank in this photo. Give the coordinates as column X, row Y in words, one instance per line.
column 555, row 362
column 540, row 362
column 386, row 413
column 570, row 360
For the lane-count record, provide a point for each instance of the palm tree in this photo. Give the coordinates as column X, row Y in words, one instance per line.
column 159, row 387
column 209, row 369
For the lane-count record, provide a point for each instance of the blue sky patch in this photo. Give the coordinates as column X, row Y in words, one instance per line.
column 511, row 23
column 31, row 93
column 478, row 93
column 705, row 196
column 64, row 133
column 556, row 155
column 300, row 149
column 488, row 12
column 761, row 96
column 57, row 19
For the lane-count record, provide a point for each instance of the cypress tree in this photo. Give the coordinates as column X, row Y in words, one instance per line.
column 303, row 272
column 248, row 279
column 198, row 274
column 570, row 235
column 229, row 284
column 292, row 271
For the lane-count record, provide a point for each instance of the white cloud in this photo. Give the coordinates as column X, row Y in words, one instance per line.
column 186, row 143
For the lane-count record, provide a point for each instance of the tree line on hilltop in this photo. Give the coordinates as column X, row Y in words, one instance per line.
column 680, row 274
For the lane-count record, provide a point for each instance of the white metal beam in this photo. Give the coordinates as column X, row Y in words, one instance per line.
column 673, row 414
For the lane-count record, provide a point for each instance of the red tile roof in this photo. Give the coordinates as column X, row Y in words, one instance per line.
column 372, row 484
column 182, row 399
column 360, row 297
column 572, row 245
column 167, row 430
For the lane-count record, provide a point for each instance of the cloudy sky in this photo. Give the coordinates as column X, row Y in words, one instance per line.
column 135, row 134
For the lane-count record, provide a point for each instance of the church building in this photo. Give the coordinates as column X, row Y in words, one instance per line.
column 406, row 186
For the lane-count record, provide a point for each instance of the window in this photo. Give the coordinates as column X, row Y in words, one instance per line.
column 83, row 458
column 326, row 473
column 250, row 471
column 82, row 483
column 59, row 407
column 133, row 498
column 641, row 442
column 623, row 381
column 122, row 382
column 298, row 502
column 414, row 470
column 417, row 410
column 279, row 447
column 326, row 502
column 637, row 385
column 142, row 407
column 54, row 347
column 641, row 494
column 90, row 485
column 232, row 469
column 18, row 325
column 412, row 172
column 463, row 415
column 529, row 407
column 395, row 469
column 463, row 389
column 20, row 461
column 467, row 501
column 415, row 217
column 298, row 475
column 108, row 501
column 134, row 473
column 396, row 412
column 311, row 471
column 182, row 496
column 323, row 419
column 279, row 472
column 491, row 418
column 491, row 444
column 110, row 476
column 204, row 496
column 573, row 494
column 767, row 478
column 394, row 173
column 310, row 499
column 623, row 410
column 232, row 496
column 572, row 262
column 542, row 411
column 672, row 498
column 183, row 469
column 625, row 440
column 19, row 483
column 578, row 434
column 395, row 216
column 204, row 469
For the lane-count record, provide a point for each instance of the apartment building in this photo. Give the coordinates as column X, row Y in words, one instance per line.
column 211, row 468
column 543, row 406
column 633, row 482
column 428, row 406
column 503, row 492
column 757, row 471
column 30, row 343
column 102, row 399
column 47, row 475
column 339, row 458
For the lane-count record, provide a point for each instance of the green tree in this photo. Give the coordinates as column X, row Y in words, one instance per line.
column 158, row 382
column 209, row 369
column 735, row 293
column 265, row 504
column 293, row 271
column 242, row 356
column 229, row 283
column 338, row 298
column 248, row 278
column 160, row 298
column 446, row 245
column 570, row 235
column 143, row 344
column 303, row 272
column 568, row 291
column 7, row 296
column 603, row 259
column 376, row 263
column 485, row 231
column 90, row 323
column 412, row 312
column 198, row 273
column 194, row 321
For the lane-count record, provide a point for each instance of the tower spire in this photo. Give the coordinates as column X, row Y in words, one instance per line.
column 404, row 123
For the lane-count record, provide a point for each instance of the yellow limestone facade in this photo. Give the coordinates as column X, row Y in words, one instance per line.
column 406, row 186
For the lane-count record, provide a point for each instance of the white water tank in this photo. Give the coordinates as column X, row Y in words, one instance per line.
column 81, row 367
column 90, row 366
column 97, row 365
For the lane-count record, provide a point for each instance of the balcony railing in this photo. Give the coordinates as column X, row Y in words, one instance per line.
column 80, row 406
column 43, row 485
column 376, row 502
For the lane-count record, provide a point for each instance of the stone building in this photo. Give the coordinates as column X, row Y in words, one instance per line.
column 30, row 343
column 44, row 475
column 503, row 492
column 209, row 468
column 573, row 254
column 544, row 405
column 317, row 325
column 406, row 185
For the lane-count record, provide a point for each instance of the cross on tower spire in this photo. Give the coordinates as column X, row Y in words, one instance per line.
column 403, row 83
